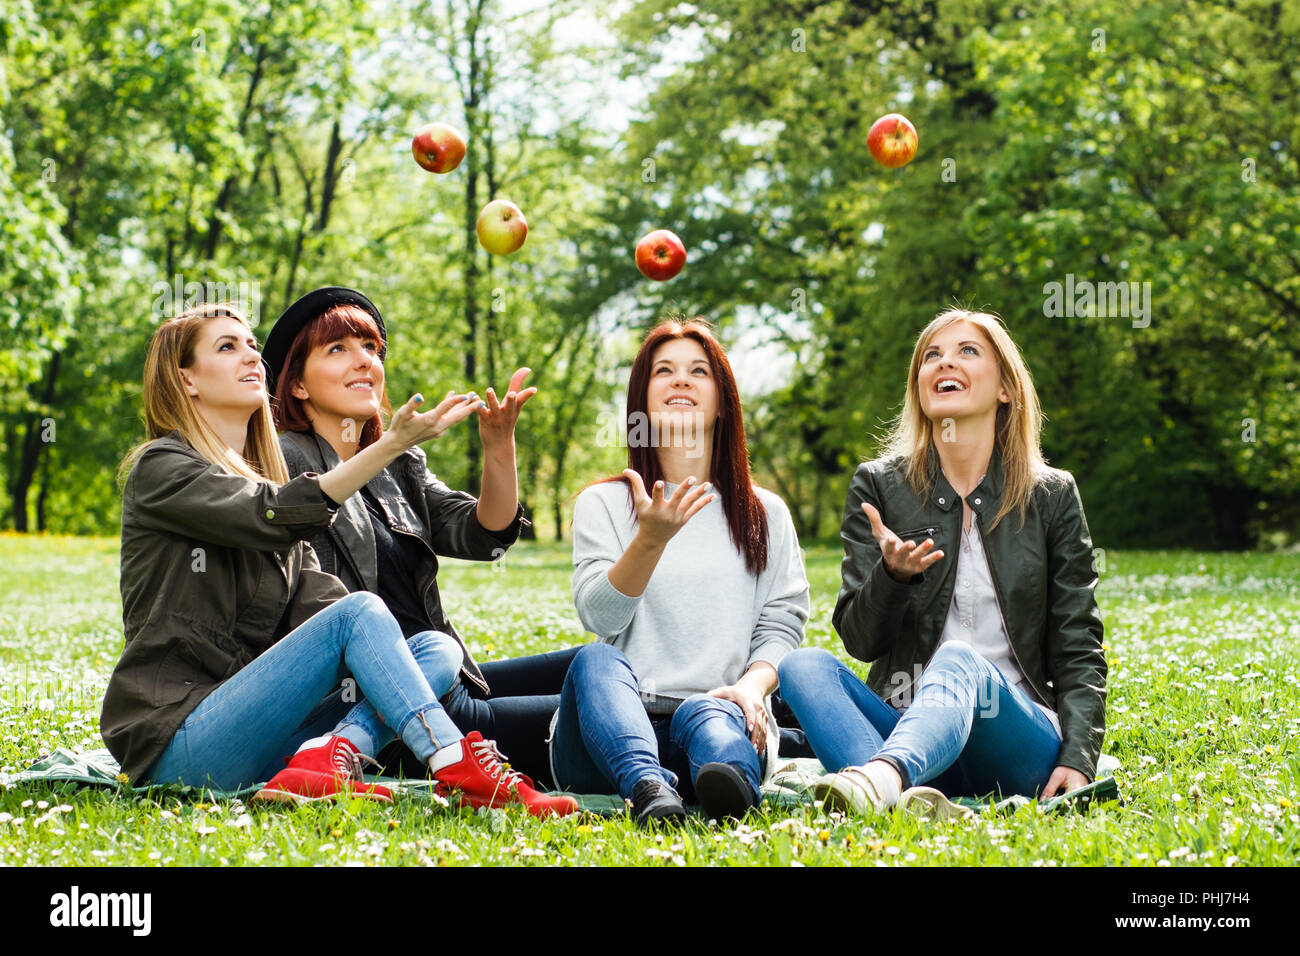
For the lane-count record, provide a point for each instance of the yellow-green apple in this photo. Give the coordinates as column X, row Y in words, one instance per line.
column 501, row 227
column 437, row 147
column 892, row 140
column 660, row 255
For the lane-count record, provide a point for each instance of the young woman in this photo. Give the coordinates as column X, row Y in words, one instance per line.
column 233, row 633
column 968, row 584
column 695, row 589
column 326, row 358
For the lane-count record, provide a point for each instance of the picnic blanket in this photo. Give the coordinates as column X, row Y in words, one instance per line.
column 790, row 785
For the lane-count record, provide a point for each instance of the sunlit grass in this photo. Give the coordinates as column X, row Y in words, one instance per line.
column 1202, row 713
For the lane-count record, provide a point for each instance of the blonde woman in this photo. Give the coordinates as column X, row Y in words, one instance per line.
column 968, row 585
column 234, row 636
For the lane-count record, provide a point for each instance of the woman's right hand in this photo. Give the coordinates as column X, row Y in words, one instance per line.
column 410, row 427
column 660, row 519
column 903, row 559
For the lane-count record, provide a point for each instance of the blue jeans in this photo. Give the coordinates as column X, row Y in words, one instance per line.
column 525, row 693
column 605, row 742
column 967, row 732
column 239, row 734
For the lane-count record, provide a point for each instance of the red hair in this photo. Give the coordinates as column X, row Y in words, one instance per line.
column 746, row 516
column 335, row 323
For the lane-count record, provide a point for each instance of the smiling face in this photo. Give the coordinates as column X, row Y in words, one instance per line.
column 959, row 376
column 343, row 379
column 226, row 373
column 682, row 393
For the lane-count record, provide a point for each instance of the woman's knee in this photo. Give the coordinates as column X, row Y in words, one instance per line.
column 438, row 648
column 698, row 708
column 799, row 670
column 955, row 656
column 594, row 660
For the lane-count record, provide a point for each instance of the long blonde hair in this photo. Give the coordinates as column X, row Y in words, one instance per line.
column 169, row 407
column 1016, row 429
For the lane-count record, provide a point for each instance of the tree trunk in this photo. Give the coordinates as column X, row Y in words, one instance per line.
column 32, row 446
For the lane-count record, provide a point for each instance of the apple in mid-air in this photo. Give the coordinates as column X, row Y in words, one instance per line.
column 660, row 255
column 501, row 227
column 437, row 147
column 892, row 140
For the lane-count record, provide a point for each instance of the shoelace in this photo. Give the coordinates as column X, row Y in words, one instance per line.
column 348, row 762
column 494, row 762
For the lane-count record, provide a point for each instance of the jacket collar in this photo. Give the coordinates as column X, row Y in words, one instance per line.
column 985, row 496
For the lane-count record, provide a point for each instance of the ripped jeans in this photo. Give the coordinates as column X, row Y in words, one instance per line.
column 239, row 734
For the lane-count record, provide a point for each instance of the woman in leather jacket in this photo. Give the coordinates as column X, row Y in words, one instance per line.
column 234, row 635
column 326, row 359
column 968, row 585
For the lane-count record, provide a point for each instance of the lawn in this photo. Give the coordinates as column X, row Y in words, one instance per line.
column 1202, row 714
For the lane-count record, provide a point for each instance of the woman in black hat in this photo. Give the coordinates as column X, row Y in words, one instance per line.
column 233, row 633
column 326, row 358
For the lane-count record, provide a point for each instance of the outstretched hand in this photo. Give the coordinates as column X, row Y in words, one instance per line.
column 496, row 419
column 903, row 559
column 411, row 427
column 660, row 519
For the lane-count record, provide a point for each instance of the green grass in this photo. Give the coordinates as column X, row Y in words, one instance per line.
column 1202, row 713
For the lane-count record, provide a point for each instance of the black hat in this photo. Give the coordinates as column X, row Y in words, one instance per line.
column 295, row 318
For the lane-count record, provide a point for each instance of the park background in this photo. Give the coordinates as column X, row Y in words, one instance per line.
column 154, row 151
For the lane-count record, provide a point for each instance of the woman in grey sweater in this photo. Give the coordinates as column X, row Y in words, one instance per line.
column 695, row 589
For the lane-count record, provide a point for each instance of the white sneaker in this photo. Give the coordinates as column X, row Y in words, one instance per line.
column 851, row 790
column 928, row 803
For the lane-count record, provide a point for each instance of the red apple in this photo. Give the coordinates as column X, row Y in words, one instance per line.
column 439, row 148
column 892, row 140
column 660, row 255
column 501, row 227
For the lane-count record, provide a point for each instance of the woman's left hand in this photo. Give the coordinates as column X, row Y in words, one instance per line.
column 496, row 420
column 751, row 704
column 1063, row 780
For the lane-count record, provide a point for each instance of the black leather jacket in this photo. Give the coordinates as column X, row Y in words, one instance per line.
column 1043, row 573
column 415, row 503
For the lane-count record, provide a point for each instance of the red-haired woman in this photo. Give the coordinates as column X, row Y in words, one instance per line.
column 696, row 590
column 326, row 360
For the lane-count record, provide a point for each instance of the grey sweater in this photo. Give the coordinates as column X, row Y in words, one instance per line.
column 703, row 619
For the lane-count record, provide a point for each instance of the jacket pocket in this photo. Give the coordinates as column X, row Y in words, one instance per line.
column 920, row 534
column 177, row 673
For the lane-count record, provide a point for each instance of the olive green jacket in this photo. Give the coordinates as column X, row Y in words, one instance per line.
column 1043, row 574
column 214, row 571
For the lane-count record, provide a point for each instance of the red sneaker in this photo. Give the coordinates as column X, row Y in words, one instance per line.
column 331, row 768
column 483, row 778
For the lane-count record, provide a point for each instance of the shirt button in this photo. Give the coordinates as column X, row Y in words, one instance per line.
column 269, row 514
column 965, row 584
column 965, row 623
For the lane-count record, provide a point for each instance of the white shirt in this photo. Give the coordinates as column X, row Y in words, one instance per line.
column 975, row 619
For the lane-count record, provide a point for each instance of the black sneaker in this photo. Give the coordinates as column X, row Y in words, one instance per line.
column 723, row 791
column 652, row 799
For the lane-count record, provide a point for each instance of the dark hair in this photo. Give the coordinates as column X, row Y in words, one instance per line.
column 336, row 322
column 746, row 516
